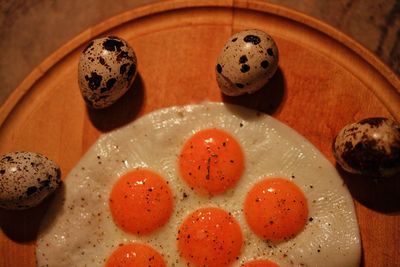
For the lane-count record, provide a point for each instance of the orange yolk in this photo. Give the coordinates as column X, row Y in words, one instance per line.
column 135, row 255
column 276, row 209
column 211, row 161
column 260, row 263
column 210, row 237
column 141, row 202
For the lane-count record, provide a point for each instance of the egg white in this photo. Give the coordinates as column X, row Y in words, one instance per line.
column 78, row 230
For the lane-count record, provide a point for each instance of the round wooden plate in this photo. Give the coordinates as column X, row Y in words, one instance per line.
column 324, row 81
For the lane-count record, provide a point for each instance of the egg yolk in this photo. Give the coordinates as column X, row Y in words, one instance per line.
column 260, row 263
column 141, row 202
column 135, row 255
column 276, row 209
column 211, row 161
column 210, row 237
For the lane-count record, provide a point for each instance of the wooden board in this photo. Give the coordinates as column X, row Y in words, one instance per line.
column 324, row 81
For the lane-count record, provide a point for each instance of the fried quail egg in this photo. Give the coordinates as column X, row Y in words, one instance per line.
column 26, row 179
column 247, row 62
column 106, row 70
column 83, row 227
column 370, row 146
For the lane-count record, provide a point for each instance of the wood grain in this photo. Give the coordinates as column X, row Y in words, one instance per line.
column 324, row 81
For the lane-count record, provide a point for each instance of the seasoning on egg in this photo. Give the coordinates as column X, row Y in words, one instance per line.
column 210, row 237
column 247, row 62
column 106, row 70
column 111, row 204
column 370, row 146
column 26, row 179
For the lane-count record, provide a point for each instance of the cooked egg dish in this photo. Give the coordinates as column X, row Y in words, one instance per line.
column 202, row 185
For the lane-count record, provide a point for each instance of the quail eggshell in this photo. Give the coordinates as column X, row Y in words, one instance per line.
column 370, row 146
column 26, row 178
column 247, row 62
column 106, row 70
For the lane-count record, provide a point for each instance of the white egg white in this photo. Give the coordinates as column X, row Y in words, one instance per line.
column 79, row 230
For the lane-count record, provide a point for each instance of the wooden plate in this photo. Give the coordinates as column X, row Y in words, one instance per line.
column 324, row 81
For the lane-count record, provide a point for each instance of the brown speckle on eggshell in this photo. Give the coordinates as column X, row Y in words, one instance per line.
column 370, row 146
column 26, row 179
column 247, row 62
column 106, row 70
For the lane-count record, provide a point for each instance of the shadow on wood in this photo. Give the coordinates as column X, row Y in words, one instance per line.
column 379, row 194
column 121, row 112
column 268, row 99
column 23, row 225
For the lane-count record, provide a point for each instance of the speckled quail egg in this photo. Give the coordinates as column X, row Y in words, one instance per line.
column 106, row 70
column 370, row 146
column 26, row 178
column 247, row 62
